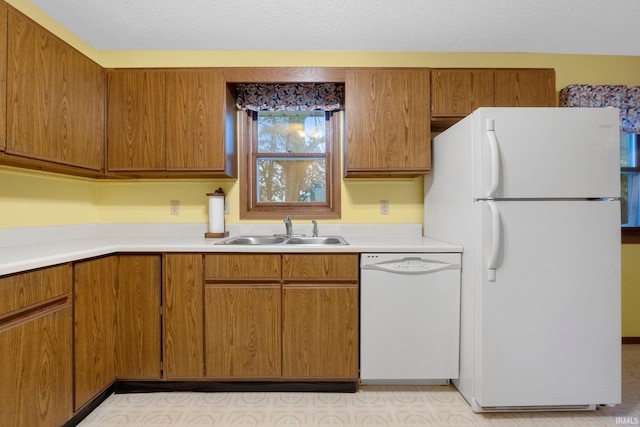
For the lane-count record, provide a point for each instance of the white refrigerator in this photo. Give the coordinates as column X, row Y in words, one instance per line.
column 532, row 194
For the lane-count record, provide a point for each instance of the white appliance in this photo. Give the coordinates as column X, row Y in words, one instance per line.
column 409, row 318
column 532, row 196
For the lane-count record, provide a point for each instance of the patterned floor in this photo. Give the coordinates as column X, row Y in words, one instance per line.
column 370, row 406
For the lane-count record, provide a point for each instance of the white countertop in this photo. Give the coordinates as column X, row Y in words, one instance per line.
column 35, row 247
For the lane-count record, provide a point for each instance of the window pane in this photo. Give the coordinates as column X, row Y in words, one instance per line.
column 291, row 180
column 628, row 150
column 291, row 132
column 630, row 199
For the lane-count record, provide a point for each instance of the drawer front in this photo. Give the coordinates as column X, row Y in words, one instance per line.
column 320, row 267
column 242, row 267
column 22, row 290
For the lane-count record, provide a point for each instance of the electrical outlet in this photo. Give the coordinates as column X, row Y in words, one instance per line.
column 384, row 207
column 175, row 207
column 227, row 207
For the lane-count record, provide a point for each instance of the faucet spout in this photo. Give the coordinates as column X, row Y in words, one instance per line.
column 288, row 225
column 315, row 227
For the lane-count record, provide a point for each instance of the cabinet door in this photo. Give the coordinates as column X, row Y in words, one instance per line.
column 525, row 88
column 242, row 316
column 183, row 317
column 196, row 132
column 457, row 93
column 320, row 331
column 55, row 97
column 320, row 317
column 136, row 120
column 35, row 369
column 94, row 327
column 35, row 348
column 137, row 293
column 388, row 128
column 242, row 324
column 3, row 76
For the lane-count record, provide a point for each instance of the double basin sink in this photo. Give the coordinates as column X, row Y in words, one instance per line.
column 284, row 240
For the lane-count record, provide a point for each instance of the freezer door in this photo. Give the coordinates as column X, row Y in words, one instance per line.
column 547, row 327
column 546, row 153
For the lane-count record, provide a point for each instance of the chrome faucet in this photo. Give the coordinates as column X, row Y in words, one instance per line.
column 288, row 225
column 315, row 227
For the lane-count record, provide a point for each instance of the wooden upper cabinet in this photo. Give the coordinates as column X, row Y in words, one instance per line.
column 136, row 117
column 387, row 119
column 197, row 137
column 525, row 88
column 171, row 123
column 3, row 76
column 459, row 92
column 55, row 99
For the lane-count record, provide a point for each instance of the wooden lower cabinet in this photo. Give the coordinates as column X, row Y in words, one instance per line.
column 243, row 331
column 183, row 317
column 35, row 348
column 289, row 317
column 320, row 332
column 94, row 332
column 242, row 316
column 137, row 293
column 116, row 322
column 320, row 317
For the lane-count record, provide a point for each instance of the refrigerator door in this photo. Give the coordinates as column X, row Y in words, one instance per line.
column 548, row 328
column 546, row 153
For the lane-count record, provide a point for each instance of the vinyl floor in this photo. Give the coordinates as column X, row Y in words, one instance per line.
column 370, row 406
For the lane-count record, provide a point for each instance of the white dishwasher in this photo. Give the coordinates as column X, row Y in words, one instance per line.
column 409, row 318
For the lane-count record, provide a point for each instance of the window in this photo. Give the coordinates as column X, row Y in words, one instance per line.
column 630, row 187
column 289, row 141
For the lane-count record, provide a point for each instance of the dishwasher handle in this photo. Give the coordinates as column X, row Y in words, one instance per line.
column 411, row 265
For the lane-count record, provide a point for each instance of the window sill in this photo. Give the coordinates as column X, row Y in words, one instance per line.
column 630, row 234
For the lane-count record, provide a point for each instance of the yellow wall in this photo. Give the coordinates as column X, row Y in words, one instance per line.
column 37, row 198
column 31, row 198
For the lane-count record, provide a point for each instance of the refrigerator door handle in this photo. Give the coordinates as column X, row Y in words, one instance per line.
column 495, row 241
column 495, row 159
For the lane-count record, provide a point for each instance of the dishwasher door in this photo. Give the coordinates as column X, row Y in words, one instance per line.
column 409, row 318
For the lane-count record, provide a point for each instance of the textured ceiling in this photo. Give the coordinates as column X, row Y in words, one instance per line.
column 533, row 26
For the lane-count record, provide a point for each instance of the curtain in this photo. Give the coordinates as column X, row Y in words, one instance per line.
column 626, row 98
column 290, row 96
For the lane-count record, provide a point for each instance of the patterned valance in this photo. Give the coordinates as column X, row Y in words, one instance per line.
column 290, row 96
column 626, row 98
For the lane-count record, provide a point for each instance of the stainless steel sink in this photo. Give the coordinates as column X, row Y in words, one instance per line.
column 324, row 240
column 254, row 240
column 284, row 240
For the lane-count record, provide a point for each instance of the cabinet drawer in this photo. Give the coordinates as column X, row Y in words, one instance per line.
column 242, row 266
column 320, row 266
column 20, row 291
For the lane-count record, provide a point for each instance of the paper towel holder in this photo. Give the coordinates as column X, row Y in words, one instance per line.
column 216, row 212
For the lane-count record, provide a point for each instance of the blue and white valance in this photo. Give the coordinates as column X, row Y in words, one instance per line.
column 290, row 96
column 626, row 98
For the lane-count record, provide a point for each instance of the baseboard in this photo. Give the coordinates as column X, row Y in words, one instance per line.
column 213, row 386
column 630, row 340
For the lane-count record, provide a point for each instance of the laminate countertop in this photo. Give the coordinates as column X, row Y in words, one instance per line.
column 36, row 247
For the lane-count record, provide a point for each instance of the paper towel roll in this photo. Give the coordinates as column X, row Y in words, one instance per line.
column 216, row 214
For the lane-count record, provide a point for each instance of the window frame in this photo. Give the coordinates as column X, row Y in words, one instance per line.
column 250, row 208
